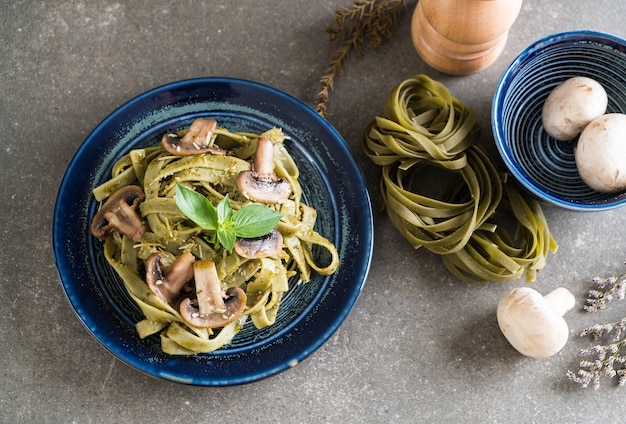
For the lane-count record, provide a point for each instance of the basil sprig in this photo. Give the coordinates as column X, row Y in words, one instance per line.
column 250, row 221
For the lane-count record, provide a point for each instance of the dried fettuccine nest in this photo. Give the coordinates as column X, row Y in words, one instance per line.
column 442, row 192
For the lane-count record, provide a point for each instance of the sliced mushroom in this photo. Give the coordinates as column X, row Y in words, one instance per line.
column 270, row 244
column 119, row 212
column 212, row 310
column 196, row 140
column 168, row 285
column 261, row 183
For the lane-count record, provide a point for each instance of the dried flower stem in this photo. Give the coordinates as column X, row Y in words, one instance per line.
column 609, row 359
column 607, row 290
column 365, row 19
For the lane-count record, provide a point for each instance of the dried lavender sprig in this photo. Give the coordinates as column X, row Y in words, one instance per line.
column 607, row 289
column 608, row 362
column 608, row 359
column 598, row 331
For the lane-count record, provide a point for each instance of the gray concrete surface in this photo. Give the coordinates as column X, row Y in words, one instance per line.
column 435, row 356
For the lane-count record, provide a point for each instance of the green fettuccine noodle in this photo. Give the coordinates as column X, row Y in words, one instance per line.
column 425, row 131
column 171, row 233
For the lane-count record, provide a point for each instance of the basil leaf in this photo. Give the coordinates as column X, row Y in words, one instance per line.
column 255, row 220
column 196, row 207
column 224, row 211
column 226, row 235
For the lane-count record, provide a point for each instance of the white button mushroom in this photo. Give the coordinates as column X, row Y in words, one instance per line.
column 534, row 324
column 571, row 106
column 600, row 153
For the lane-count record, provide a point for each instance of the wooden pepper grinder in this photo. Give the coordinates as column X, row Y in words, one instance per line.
column 461, row 37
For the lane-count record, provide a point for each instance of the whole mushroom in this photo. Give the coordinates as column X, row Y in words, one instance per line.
column 212, row 309
column 600, row 153
column 119, row 212
column 261, row 183
column 571, row 106
column 534, row 324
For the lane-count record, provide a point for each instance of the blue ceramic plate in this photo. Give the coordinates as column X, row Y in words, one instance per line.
column 543, row 165
column 332, row 183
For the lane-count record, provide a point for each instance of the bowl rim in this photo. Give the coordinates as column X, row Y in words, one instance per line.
column 616, row 42
column 339, row 295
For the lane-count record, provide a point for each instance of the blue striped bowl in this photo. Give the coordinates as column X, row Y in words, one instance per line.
column 542, row 165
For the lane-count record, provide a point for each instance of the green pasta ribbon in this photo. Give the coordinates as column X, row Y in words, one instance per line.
column 442, row 191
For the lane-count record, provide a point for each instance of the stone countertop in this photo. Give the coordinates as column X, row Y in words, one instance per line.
column 418, row 346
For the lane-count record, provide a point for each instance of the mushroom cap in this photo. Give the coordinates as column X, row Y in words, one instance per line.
column 571, row 106
column 195, row 141
column 600, row 153
column 235, row 303
column 168, row 286
column 533, row 324
column 212, row 308
column 263, row 189
column 270, row 244
column 120, row 212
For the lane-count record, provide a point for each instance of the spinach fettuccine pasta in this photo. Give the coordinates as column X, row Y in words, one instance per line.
column 244, row 238
column 442, row 192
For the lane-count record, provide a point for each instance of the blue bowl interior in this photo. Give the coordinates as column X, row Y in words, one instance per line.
column 332, row 183
column 543, row 165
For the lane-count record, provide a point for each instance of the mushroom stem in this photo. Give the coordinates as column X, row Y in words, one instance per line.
column 560, row 300
column 208, row 290
column 263, row 164
column 199, row 133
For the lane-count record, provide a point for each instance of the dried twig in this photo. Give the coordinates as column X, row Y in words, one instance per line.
column 370, row 20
